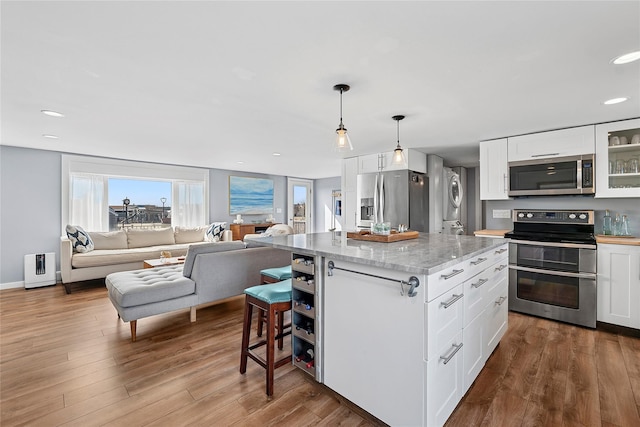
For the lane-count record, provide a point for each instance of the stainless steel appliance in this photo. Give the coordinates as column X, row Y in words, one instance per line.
column 398, row 197
column 452, row 195
column 552, row 265
column 552, row 176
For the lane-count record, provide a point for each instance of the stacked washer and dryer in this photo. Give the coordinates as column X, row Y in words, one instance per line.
column 454, row 211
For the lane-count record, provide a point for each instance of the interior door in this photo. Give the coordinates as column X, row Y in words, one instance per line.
column 300, row 205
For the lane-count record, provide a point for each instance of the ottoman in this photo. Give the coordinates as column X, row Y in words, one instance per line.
column 142, row 293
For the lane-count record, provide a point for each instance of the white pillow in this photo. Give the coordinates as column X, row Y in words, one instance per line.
column 80, row 240
column 109, row 239
column 214, row 232
column 190, row 235
column 154, row 237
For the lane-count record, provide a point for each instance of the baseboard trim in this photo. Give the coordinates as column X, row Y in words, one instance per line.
column 11, row 285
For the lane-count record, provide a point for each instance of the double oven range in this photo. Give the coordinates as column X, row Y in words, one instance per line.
column 552, row 265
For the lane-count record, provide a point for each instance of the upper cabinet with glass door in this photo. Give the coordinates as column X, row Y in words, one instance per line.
column 618, row 158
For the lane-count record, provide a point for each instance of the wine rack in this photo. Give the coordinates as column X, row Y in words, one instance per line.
column 304, row 319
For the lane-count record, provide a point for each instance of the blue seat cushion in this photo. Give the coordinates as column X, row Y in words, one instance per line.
column 272, row 293
column 278, row 273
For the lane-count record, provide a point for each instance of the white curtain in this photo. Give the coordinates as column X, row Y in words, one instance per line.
column 188, row 209
column 87, row 203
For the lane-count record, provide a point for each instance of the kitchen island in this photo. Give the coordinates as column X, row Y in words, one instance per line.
column 401, row 329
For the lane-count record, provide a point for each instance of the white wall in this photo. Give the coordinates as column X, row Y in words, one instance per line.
column 29, row 208
column 322, row 202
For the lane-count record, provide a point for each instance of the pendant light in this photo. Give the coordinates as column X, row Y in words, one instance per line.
column 398, row 153
column 343, row 142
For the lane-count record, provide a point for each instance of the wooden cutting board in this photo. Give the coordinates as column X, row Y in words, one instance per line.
column 382, row 238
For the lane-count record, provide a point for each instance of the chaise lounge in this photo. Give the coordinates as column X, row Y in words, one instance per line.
column 211, row 272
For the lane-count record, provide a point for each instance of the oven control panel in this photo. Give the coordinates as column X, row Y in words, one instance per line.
column 562, row 217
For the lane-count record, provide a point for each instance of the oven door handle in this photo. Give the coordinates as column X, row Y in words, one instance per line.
column 554, row 273
column 553, row 244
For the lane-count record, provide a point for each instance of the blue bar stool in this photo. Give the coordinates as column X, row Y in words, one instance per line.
column 271, row 298
column 272, row 275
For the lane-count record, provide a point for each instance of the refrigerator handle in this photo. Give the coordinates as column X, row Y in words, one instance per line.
column 381, row 203
column 375, row 201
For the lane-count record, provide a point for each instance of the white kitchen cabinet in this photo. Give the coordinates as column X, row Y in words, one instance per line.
column 619, row 285
column 409, row 360
column 493, row 170
column 373, row 343
column 612, row 181
column 444, row 386
column 497, row 311
column 414, row 160
column 555, row 143
column 349, row 200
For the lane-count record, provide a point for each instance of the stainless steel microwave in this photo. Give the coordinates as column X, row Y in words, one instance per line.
column 552, row 176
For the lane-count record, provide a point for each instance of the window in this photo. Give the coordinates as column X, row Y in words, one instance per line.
column 90, row 186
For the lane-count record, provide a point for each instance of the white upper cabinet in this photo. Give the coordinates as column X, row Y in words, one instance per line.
column 617, row 159
column 556, row 143
column 493, row 170
column 415, row 161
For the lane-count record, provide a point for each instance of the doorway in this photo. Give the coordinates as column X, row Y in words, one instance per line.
column 300, row 205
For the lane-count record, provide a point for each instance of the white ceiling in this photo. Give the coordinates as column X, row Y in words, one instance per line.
column 212, row 83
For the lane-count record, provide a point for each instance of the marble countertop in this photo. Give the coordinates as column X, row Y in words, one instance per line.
column 427, row 254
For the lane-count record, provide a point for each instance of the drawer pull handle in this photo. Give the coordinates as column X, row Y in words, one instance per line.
column 480, row 283
column 502, row 267
column 478, row 261
column 501, row 300
column 501, row 251
column 456, row 348
column 453, row 299
column 450, row 275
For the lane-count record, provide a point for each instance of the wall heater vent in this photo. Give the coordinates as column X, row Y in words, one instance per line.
column 39, row 270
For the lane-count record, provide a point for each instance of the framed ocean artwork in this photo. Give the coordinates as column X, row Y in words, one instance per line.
column 250, row 196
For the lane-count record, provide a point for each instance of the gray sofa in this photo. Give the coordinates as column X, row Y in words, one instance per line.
column 211, row 272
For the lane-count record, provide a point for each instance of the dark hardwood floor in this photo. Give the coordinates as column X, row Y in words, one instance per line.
column 68, row 360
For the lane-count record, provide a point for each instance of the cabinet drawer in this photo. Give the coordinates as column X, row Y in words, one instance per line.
column 496, row 315
column 444, row 382
column 304, row 327
column 476, row 290
column 444, row 320
column 473, row 353
column 304, row 283
column 446, row 279
column 298, row 264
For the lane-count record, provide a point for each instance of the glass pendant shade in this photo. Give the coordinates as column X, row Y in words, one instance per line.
column 343, row 142
column 398, row 154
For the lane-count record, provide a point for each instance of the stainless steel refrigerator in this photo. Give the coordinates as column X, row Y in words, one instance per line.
column 398, row 197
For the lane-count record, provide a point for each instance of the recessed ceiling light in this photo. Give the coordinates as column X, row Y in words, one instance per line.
column 52, row 113
column 240, row 163
column 276, row 154
column 50, row 136
column 615, row 101
column 626, row 58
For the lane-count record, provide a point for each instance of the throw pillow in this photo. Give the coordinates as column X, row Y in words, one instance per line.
column 190, row 234
column 215, row 230
column 80, row 239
